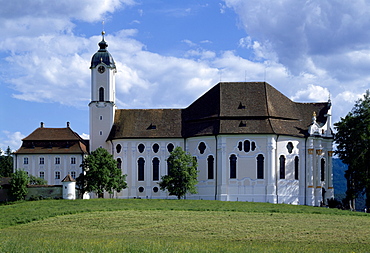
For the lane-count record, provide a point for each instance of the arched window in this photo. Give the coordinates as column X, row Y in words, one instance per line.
column 57, row 174
column 260, row 166
column 210, row 161
column 296, row 168
column 155, row 169
column 140, row 166
column 233, row 159
column 73, row 174
column 119, row 163
column 282, row 166
column 322, row 169
column 101, row 94
column 247, row 146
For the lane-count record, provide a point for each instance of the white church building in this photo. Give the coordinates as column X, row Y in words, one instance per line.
column 251, row 142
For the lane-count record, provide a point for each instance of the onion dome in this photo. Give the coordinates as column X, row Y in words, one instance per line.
column 102, row 55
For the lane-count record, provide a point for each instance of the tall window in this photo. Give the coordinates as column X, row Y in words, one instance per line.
column 25, row 160
column 210, row 162
column 101, row 94
column 169, row 168
column 119, row 163
column 155, row 169
column 140, row 165
column 73, row 160
column 57, row 160
column 42, row 160
column 260, row 166
column 322, row 169
column 296, row 168
column 57, row 174
column 233, row 159
column 73, row 174
column 282, row 166
column 42, row 174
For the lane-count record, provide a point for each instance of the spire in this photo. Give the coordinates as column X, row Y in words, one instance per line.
column 102, row 44
column 102, row 56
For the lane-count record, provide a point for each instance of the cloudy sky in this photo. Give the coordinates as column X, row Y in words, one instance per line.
column 168, row 53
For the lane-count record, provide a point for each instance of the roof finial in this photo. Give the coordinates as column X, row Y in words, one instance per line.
column 314, row 117
column 103, row 32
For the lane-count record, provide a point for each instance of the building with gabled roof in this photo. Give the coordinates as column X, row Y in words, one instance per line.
column 51, row 153
column 251, row 142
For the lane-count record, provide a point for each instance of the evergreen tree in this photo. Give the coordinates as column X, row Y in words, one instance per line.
column 101, row 174
column 353, row 148
column 6, row 163
column 18, row 185
column 182, row 175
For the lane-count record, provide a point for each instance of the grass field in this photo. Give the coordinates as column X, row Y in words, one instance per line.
column 111, row 225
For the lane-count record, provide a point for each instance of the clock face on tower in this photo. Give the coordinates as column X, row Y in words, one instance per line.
column 101, row 69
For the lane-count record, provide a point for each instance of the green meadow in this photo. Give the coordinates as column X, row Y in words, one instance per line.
column 140, row 225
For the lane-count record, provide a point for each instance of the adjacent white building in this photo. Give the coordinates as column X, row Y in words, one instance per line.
column 251, row 142
column 52, row 154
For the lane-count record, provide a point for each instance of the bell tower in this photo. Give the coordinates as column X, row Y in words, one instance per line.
column 102, row 105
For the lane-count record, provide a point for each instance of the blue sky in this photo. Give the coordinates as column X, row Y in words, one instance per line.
column 168, row 53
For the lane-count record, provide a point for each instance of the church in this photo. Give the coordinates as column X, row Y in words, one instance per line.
column 251, row 142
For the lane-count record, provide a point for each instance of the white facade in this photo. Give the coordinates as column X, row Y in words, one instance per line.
column 274, row 168
column 51, row 167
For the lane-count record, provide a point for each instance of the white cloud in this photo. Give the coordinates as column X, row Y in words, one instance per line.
column 12, row 140
column 312, row 93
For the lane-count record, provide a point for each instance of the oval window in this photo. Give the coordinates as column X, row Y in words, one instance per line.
column 141, row 148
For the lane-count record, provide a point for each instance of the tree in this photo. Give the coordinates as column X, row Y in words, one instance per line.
column 18, row 184
column 182, row 174
column 101, row 174
column 353, row 148
column 33, row 180
column 6, row 163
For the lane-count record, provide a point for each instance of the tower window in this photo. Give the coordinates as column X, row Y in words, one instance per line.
column 57, row 160
column 25, row 160
column 101, row 94
column 57, row 174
